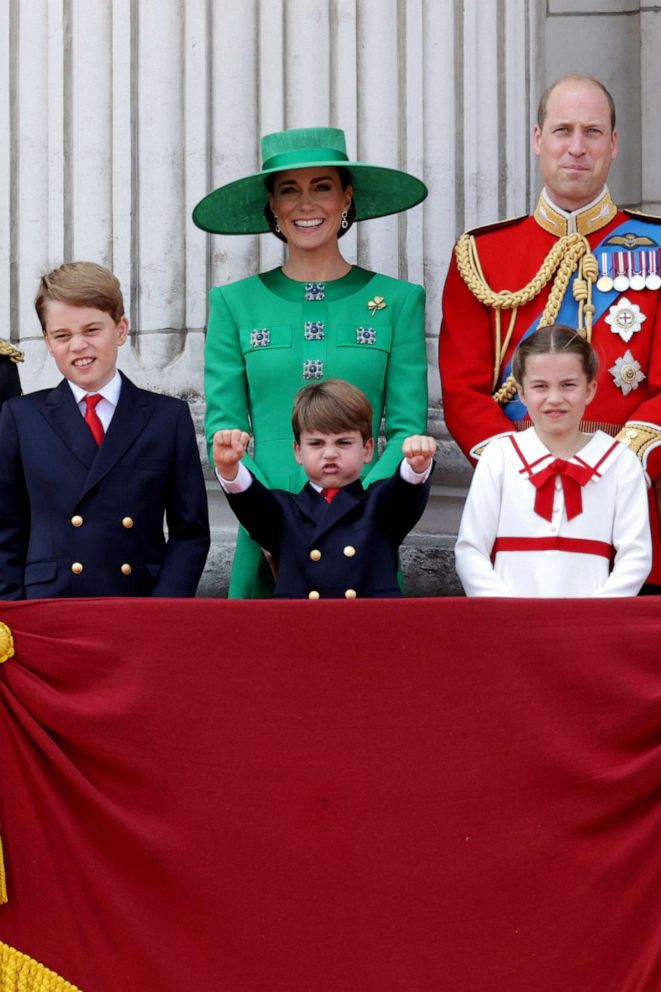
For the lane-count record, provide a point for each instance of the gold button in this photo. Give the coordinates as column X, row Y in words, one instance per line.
column 315, row 554
column 77, row 521
column 126, row 569
column 349, row 552
column 76, row 568
column 313, row 594
column 127, row 522
column 350, row 594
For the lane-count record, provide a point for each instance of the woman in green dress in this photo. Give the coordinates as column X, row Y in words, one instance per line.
column 317, row 317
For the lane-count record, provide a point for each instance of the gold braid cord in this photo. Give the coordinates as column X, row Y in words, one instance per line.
column 20, row 973
column 568, row 254
column 15, row 356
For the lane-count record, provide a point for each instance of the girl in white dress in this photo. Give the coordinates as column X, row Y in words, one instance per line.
column 553, row 511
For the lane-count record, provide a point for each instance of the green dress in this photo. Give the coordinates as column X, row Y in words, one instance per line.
column 269, row 335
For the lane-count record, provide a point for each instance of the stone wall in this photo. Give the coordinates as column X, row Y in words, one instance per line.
column 121, row 114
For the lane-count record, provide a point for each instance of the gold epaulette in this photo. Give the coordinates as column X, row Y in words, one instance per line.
column 641, row 438
column 10, row 352
column 652, row 218
column 497, row 225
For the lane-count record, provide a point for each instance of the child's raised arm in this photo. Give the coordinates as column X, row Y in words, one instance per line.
column 419, row 451
column 229, row 447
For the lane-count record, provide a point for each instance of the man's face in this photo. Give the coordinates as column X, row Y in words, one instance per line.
column 575, row 144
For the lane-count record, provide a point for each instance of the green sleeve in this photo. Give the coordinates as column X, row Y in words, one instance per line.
column 405, row 388
column 225, row 380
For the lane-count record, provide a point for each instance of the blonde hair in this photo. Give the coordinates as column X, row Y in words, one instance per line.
column 80, row 284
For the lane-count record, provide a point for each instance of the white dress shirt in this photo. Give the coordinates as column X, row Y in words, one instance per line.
column 106, row 406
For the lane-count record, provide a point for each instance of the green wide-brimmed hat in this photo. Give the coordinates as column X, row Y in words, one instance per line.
column 238, row 207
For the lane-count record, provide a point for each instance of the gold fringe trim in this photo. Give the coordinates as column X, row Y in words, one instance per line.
column 6, row 643
column 3, row 877
column 20, row 973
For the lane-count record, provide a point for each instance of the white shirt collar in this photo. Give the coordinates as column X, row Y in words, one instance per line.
column 110, row 391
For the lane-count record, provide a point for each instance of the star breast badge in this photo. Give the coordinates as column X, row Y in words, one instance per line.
column 625, row 319
column 626, row 373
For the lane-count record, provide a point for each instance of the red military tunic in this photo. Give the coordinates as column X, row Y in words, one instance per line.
column 626, row 332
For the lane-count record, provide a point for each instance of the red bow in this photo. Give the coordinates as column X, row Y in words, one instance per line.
column 572, row 477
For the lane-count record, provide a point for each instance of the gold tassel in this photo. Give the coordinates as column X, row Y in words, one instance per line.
column 3, row 877
column 21, row 973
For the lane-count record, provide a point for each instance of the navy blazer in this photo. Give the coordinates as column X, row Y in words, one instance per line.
column 344, row 549
column 82, row 520
column 10, row 383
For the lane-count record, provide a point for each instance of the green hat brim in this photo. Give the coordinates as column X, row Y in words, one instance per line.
column 238, row 207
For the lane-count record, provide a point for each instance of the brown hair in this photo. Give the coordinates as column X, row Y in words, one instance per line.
column 80, row 284
column 575, row 77
column 551, row 340
column 345, row 180
column 331, row 407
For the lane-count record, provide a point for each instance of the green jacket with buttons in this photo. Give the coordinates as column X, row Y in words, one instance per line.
column 269, row 335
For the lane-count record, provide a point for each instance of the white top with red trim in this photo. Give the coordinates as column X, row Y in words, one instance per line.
column 605, row 550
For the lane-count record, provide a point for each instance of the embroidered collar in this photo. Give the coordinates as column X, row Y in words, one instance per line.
column 532, row 456
column 586, row 221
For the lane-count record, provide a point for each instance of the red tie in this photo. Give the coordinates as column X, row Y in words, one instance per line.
column 329, row 494
column 92, row 417
column 572, row 478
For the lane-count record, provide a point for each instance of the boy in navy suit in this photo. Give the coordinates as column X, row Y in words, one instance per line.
column 333, row 539
column 88, row 470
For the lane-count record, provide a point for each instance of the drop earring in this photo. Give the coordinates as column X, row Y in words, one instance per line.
column 344, row 222
column 277, row 226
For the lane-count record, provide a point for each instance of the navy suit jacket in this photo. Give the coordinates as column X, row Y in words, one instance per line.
column 66, row 503
column 349, row 545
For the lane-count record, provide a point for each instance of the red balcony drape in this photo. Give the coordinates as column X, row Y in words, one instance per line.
column 405, row 796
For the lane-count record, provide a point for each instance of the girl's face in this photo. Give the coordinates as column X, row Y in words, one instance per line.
column 556, row 391
column 308, row 204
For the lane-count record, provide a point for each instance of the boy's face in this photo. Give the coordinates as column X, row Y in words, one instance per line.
column 84, row 342
column 333, row 460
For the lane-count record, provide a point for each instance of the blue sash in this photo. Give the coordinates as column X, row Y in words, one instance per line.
column 568, row 314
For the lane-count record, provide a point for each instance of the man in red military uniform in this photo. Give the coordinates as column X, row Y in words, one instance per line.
column 577, row 260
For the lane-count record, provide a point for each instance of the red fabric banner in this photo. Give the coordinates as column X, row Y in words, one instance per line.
column 405, row 796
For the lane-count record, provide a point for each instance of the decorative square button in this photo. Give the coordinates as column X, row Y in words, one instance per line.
column 314, row 330
column 365, row 335
column 260, row 337
column 313, row 369
column 315, row 290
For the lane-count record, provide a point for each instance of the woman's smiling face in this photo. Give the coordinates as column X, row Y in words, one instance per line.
column 308, row 204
